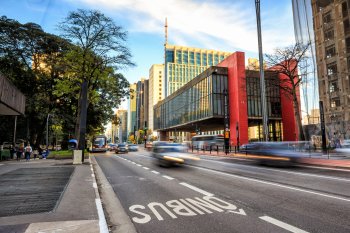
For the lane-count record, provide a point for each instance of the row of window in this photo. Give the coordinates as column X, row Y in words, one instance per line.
column 202, row 100
column 194, row 58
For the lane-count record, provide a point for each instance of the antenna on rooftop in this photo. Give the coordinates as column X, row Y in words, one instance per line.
column 166, row 31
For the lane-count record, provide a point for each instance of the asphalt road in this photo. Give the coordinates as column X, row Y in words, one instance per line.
column 228, row 195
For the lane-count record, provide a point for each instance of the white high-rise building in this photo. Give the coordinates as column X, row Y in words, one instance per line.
column 156, row 90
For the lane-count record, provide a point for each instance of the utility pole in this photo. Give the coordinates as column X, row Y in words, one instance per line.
column 262, row 78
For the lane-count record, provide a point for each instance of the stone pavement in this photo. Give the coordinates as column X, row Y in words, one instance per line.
column 49, row 196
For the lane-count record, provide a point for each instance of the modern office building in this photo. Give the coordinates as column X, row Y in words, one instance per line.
column 156, row 87
column 132, row 109
column 182, row 64
column 122, row 126
column 332, row 35
column 199, row 105
column 140, row 104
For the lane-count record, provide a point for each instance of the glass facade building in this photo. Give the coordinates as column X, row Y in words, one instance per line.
column 200, row 99
column 182, row 64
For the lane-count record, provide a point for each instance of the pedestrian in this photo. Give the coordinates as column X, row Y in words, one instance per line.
column 40, row 152
column 35, row 153
column 12, row 151
column 19, row 152
column 28, row 151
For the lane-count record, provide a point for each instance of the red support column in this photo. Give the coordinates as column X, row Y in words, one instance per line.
column 237, row 97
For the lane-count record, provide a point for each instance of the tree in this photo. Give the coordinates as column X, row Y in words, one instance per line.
column 101, row 45
column 286, row 61
column 23, row 47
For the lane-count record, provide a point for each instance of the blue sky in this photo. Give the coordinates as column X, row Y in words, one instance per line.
column 226, row 25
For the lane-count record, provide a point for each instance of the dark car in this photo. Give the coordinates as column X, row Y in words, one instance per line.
column 133, row 147
column 122, row 148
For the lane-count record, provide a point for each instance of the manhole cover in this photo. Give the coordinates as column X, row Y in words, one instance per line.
column 32, row 190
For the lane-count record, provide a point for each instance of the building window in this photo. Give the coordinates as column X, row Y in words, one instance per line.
column 333, row 87
column 329, row 35
column 346, row 24
column 332, row 68
column 327, row 18
column 335, row 103
column 330, row 51
column 344, row 9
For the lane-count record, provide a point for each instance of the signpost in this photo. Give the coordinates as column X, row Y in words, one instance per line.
column 323, row 128
column 226, row 123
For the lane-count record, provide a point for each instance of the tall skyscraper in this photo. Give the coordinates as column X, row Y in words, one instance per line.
column 132, row 109
column 182, row 64
column 156, row 74
column 332, row 36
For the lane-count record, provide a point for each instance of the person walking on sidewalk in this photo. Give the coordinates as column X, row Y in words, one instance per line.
column 35, row 153
column 19, row 152
column 28, row 151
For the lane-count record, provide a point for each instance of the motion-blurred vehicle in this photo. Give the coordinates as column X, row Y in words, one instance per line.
column 122, row 148
column 168, row 154
column 111, row 146
column 133, row 147
column 276, row 153
column 344, row 149
column 205, row 142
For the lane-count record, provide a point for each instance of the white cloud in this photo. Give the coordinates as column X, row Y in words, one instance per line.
column 213, row 25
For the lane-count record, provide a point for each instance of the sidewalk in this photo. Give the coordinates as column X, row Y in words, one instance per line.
column 49, row 196
column 334, row 161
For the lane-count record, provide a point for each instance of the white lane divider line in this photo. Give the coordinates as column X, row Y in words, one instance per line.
column 274, row 184
column 155, row 172
column 139, row 165
column 94, row 185
column 92, row 175
column 145, row 168
column 282, row 224
column 133, row 163
column 205, row 193
column 168, row 177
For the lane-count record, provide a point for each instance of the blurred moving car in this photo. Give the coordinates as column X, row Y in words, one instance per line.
column 168, row 154
column 122, row 148
column 344, row 149
column 133, row 147
column 276, row 153
column 111, row 146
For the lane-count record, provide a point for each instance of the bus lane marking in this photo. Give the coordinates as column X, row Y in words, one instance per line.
column 197, row 189
column 186, row 207
column 282, row 224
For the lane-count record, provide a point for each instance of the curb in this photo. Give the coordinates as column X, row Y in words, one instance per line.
column 117, row 218
column 101, row 216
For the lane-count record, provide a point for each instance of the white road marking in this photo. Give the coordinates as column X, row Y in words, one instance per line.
column 289, row 172
column 101, row 217
column 92, row 175
column 1, row 164
column 94, row 185
column 274, row 184
column 155, row 172
column 133, row 163
column 197, row 189
column 145, row 168
column 326, row 168
column 168, row 177
column 282, row 224
column 139, row 165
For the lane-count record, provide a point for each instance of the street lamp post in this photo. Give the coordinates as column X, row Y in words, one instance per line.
column 262, row 78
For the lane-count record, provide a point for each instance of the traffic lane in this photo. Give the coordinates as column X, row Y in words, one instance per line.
column 315, row 211
column 333, row 185
column 327, row 171
column 160, row 203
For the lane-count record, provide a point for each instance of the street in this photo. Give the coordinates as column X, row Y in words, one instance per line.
column 219, row 194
